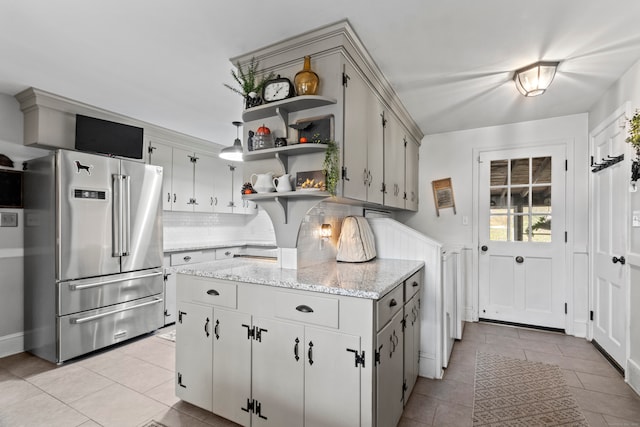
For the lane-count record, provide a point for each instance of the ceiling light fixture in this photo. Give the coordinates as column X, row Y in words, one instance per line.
column 534, row 79
column 233, row 153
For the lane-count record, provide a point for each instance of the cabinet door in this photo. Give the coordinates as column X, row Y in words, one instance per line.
column 223, row 186
column 277, row 373
column 204, row 179
column 412, row 162
column 411, row 344
column 182, row 182
column 194, row 354
column 231, row 365
column 169, row 297
column 394, row 163
column 375, row 150
column 332, row 379
column 162, row 155
column 356, row 111
column 389, row 373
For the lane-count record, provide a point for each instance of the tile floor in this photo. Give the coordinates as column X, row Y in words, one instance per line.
column 133, row 384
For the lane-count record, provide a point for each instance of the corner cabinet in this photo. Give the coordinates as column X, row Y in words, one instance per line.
column 269, row 356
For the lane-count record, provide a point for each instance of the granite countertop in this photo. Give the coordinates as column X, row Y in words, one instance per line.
column 371, row 280
column 181, row 247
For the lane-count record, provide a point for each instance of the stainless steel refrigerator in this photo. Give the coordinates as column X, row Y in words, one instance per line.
column 93, row 253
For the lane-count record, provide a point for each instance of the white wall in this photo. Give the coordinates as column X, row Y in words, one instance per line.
column 627, row 88
column 450, row 155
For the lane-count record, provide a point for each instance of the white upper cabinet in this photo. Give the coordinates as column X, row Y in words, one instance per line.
column 394, row 168
column 412, row 161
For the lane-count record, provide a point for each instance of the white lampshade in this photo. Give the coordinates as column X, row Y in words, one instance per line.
column 233, row 153
column 534, row 79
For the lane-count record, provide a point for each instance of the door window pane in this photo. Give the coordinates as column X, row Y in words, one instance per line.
column 498, row 228
column 519, row 171
column 520, row 205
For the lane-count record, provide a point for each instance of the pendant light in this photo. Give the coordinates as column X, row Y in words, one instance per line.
column 233, row 153
column 534, row 79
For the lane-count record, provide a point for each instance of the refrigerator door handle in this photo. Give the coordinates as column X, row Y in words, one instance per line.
column 117, row 216
column 78, row 320
column 126, row 216
column 107, row 282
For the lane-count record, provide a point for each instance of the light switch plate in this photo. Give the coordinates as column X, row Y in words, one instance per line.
column 635, row 219
column 8, row 219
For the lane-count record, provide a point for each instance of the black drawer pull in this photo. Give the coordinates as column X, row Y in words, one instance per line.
column 187, row 258
column 304, row 309
column 415, row 284
column 213, row 292
column 393, row 302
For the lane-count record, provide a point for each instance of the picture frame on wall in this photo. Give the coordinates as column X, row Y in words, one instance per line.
column 443, row 195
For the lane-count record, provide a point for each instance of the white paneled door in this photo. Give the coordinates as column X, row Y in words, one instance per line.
column 609, row 279
column 522, row 235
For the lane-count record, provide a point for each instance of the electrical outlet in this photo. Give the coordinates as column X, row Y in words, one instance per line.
column 465, row 220
column 8, row 219
column 635, row 219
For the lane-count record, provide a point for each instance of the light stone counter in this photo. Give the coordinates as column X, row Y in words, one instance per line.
column 370, row 280
column 182, row 246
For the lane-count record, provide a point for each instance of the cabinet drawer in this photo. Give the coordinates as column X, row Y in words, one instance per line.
column 224, row 253
column 389, row 305
column 213, row 292
column 191, row 257
column 412, row 285
column 308, row 309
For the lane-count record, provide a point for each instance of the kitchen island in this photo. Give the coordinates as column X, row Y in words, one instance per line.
column 332, row 344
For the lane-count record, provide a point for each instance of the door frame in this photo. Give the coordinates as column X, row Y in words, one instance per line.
column 568, row 145
column 627, row 111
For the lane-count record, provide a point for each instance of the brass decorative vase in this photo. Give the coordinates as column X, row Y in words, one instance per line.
column 306, row 81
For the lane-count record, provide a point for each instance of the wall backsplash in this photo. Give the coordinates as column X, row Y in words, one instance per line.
column 184, row 229
column 311, row 248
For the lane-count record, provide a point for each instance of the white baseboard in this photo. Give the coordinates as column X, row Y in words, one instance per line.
column 633, row 375
column 428, row 367
column 11, row 344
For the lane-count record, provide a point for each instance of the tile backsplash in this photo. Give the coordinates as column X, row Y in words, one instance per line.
column 182, row 229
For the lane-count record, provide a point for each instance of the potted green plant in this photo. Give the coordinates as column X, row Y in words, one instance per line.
column 634, row 131
column 634, row 139
column 251, row 82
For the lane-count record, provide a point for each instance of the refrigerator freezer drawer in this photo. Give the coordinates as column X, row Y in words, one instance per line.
column 91, row 330
column 88, row 294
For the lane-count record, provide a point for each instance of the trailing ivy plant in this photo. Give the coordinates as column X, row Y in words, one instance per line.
column 331, row 166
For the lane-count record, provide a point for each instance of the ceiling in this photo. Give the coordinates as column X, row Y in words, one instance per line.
column 451, row 62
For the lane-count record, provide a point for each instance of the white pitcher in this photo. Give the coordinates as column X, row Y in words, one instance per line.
column 283, row 183
column 263, row 182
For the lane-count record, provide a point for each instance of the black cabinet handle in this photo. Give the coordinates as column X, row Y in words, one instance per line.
column 393, row 302
column 216, row 329
column 304, row 309
column 213, row 292
column 295, row 350
column 519, row 259
column 415, row 284
column 187, row 258
column 310, row 353
column 206, row 327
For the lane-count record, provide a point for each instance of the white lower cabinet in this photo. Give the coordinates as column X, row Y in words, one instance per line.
column 389, row 372
column 264, row 356
column 411, row 344
column 194, row 359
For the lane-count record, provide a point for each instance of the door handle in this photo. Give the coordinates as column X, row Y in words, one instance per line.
column 310, row 353
column 484, row 248
column 621, row 260
column 519, row 259
column 295, row 349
